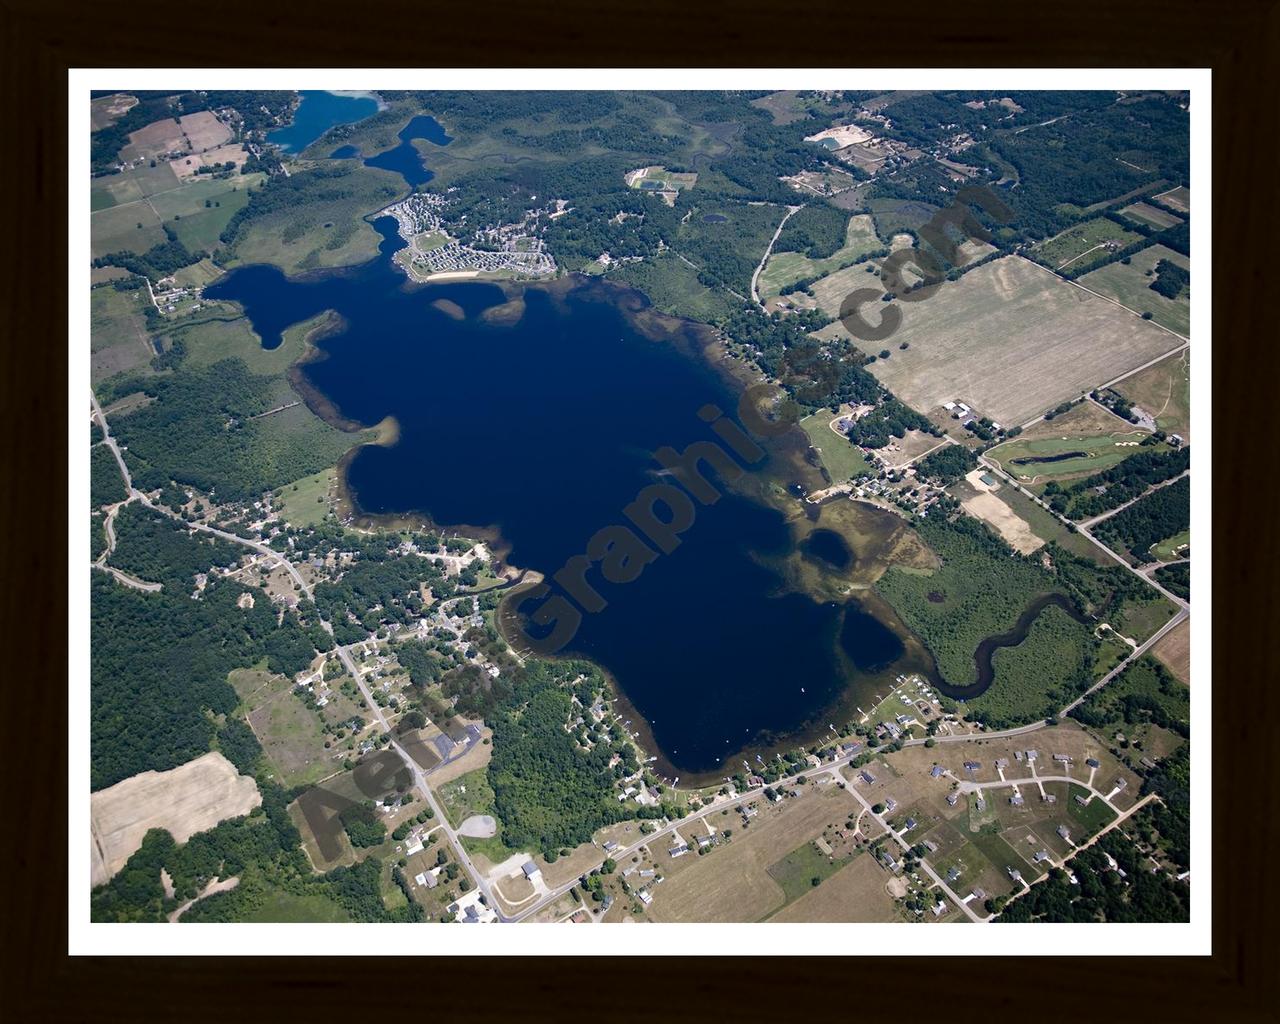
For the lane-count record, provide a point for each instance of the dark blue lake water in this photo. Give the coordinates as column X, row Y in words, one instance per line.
column 544, row 431
column 317, row 112
column 405, row 159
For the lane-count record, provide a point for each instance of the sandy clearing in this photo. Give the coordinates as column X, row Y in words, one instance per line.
column 479, row 826
column 188, row 799
column 996, row 514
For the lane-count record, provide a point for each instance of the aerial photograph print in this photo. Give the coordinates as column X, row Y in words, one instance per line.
column 708, row 506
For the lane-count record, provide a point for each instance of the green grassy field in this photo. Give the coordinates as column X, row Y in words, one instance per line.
column 1167, row 550
column 280, row 906
column 1164, row 390
column 198, row 225
column 1096, row 454
column 1130, row 285
column 132, row 228
column 118, row 339
column 797, row 870
column 211, row 340
column 841, row 459
column 1139, row 619
column 1066, row 251
column 784, row 268
column 305, row 502
column 1094, row 815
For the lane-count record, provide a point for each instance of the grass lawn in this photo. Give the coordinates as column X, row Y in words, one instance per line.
column 305, row 502
column 1093, row 816
column 493, row 849
column 1067, row 251
column 1130, row 285
column 841, row 459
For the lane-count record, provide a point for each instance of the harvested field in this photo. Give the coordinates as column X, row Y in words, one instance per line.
column 1012, row 340
column 1174, row 649
column 1151, row 216
column 1164, row 391
column 153, row 140
column 1001, row 518
column 732, row 883
column 1130, row 285
column 204, row 131
column 188, row 799
column 855, row 893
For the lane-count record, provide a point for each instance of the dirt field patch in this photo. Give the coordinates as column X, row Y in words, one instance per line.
column 1012, row 340
column 189, row 166
column 1000, row 517
column 188, row 799
column 1174, row 649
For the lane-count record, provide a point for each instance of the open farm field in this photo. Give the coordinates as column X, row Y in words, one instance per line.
column 733, row 883
column 118, row 339
column 1174, row 650
column 290, row 732
column 131, row 228
column 1130, row 285
column 185, row 800
column 1151, row 216
column 854, row 893
column 1013, row 340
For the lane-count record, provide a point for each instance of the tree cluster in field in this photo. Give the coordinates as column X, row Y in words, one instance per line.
column 890, row 419
column 817, row 231
column 1122, row 482
column 1161, row 514
column 947, row 464
column 1144, row 693
column 1170, row 279
column 161, row 260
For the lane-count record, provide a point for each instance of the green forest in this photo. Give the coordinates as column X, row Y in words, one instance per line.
column 1161, row 514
